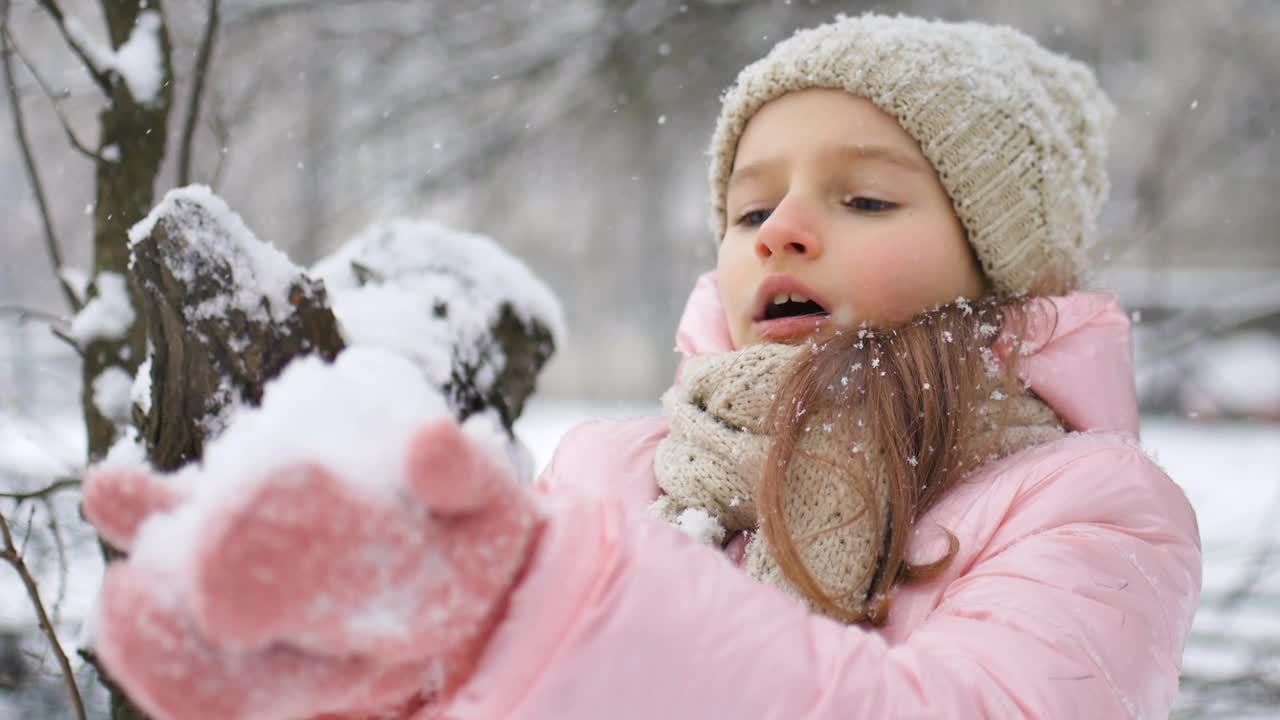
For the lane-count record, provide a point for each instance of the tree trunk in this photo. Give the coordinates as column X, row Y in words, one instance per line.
column 125, row 192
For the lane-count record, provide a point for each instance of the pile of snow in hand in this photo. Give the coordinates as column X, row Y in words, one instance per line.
column 354, row 417
column 258, row 269
column 429, row 292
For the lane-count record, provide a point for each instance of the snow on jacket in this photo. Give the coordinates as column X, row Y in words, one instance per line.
column 1072, row 595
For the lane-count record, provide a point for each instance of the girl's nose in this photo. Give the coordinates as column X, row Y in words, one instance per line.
column 787, row 232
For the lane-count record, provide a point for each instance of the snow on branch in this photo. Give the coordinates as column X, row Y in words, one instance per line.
column 226, row 313
column 108, row 315
column 139, row 61
column 473, row 318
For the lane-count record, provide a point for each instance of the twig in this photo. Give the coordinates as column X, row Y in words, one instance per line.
column 68, row 340
column 197, row 91
column 10, row 555
column 222, row 134
column 53, row 99
column 64, row 568
column 26, row 536
column 44, row 492
column 26, row 313
column 99, row 77
column 28, row 159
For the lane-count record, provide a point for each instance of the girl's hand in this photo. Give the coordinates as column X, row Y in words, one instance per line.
column 312, row 593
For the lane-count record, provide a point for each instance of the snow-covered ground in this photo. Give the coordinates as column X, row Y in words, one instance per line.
column 1231, row 473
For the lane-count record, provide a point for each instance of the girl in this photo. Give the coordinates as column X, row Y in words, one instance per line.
column 909, row 441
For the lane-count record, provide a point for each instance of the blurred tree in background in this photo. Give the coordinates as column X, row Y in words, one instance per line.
column 573, row 131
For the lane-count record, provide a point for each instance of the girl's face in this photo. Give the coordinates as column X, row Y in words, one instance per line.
column 834, row 215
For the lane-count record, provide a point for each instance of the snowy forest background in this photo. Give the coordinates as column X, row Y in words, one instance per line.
column 572, row 132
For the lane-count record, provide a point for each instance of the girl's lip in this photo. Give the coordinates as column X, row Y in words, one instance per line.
column 787, row 328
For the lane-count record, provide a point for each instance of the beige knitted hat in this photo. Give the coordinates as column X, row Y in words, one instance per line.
column 1016, row 133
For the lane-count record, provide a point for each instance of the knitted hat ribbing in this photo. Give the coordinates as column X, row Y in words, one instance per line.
column 1016, row 133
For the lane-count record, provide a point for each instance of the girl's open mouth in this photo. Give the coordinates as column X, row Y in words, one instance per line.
column 790, row 305
column 786, row 310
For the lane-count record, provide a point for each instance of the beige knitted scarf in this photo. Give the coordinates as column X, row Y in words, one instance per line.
column 709, row 466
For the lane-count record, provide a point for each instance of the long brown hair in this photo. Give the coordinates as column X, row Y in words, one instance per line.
column 914, row 389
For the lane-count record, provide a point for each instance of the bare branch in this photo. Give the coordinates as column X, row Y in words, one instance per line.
column 26, row 313
column 64, row 568
column 53, row 99
column 218, row 124
column 70, row 341
column 44, row 492
column 28, row 159
column 10, row 555
column 99, row 77
column 197, row 91
column 221, row 125
column 26, row 535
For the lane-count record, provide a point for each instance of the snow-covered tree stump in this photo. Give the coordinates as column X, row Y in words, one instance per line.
column 226, row 312
column 215, row 334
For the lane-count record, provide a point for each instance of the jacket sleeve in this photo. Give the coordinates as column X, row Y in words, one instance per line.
column 1077, row 607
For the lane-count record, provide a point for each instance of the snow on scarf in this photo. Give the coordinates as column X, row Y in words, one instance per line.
column 709, row 466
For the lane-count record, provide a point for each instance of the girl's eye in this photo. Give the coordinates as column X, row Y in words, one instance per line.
column 866, row 204
column 754, row 218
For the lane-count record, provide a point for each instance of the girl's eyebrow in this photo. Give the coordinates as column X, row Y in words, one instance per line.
column 845, row 153
column 882, row 153
column 743, row 173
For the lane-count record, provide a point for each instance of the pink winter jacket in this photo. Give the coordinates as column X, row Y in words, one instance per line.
column 1071, row 597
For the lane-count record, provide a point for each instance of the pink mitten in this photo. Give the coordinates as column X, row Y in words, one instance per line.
column 316, row 560
column 151, row 648
column 312, row 593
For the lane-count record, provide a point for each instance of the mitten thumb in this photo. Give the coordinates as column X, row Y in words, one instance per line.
column 118, row 500
column 454, row 474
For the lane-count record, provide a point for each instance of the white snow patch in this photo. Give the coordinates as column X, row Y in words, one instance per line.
column 701, row 526
column 107, row 316
column 140, row 390
column 139, row 61
column 126, row 452
column 427, row 291
column 394, row 318
column 111, row 394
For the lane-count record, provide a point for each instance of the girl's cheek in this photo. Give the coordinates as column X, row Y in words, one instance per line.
column 892, row 280
column 735, row 292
